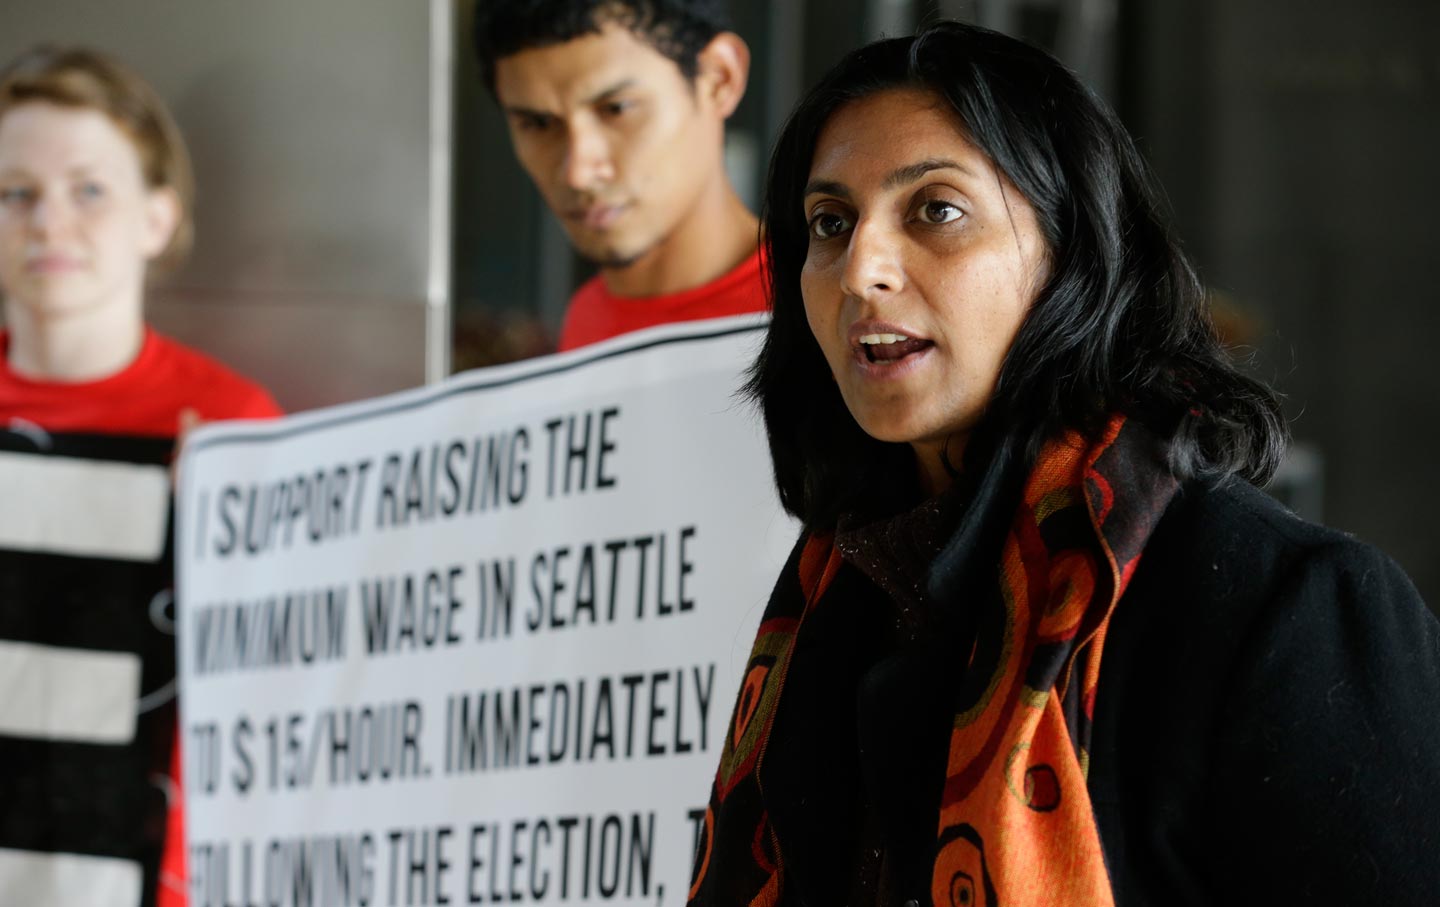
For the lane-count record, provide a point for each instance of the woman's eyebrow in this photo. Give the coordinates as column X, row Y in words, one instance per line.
column 84, row 168
column 912, row 172
column 897, row 177
column 826, row 187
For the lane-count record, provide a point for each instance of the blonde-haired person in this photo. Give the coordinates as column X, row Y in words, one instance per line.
column 95, row 197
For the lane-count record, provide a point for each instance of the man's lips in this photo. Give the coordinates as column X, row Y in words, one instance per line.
column 599, row 216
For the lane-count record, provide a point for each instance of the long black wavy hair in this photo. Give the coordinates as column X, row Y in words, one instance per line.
column 1121, row 325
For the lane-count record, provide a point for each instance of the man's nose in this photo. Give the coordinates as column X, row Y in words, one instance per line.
column 588, row 161
column 874, row 261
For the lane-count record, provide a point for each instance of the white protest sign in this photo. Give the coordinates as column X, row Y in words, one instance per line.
column 477, row 642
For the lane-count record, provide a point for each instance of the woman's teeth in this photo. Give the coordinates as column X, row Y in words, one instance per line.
column 887, row 347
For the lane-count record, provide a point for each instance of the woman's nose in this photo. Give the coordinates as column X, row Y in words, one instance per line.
column 50, row 213
column 873, row 263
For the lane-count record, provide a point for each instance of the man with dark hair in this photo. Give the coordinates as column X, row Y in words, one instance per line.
column 617, row 111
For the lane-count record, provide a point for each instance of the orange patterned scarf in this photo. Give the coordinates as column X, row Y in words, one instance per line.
column 1016, row 825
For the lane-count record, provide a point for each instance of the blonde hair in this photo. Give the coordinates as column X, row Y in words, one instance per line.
column 85, row 78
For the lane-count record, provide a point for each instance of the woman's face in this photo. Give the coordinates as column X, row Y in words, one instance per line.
column 77, row 222
column 923, row 261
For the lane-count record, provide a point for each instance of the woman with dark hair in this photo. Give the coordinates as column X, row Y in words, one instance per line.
column 995, row 400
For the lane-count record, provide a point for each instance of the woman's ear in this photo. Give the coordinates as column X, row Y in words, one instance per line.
column 162, row 219
column 723, row 71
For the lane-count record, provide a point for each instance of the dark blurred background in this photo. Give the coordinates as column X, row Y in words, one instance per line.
column 364, row 227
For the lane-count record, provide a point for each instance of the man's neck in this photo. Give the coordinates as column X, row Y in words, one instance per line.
column 86, row 347
column 713, row 238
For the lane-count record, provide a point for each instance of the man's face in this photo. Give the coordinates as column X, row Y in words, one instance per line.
column 617, row 140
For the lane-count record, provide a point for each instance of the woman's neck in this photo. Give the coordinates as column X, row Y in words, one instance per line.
column 937, row 463
column 86, row 347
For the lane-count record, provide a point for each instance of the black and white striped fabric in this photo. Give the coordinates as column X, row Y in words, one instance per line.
column 87, row 668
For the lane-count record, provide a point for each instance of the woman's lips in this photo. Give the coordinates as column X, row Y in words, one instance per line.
column 886, row 350
column 894, row 350
column 52, row 264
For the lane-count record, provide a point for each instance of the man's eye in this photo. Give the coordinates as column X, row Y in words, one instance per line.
column 826, row 225
column 937, row 212
column 614, row 108
column 534, row 122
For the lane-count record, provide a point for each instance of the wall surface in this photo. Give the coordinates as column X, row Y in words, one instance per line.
column 1297, row 141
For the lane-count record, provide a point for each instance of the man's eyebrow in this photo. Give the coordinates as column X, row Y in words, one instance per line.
column 516, row 110
column 596, row 98
column 912, row 172
column 606, row 93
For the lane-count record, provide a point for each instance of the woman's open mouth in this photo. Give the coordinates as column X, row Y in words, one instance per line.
column 884, row 349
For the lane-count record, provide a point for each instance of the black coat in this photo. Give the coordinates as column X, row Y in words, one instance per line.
column 1266, row 731
column 1267, row 725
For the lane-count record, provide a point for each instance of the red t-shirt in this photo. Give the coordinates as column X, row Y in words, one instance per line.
column 144, row 399
column 595, row 314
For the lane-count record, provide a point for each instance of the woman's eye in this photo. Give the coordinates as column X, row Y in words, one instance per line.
column 826, row 225
column 937, row 212
column 16, row 196
column 89, row 191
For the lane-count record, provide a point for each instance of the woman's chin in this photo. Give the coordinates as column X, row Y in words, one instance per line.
column 926, row 439
column 890, row 429
column 62, row 300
